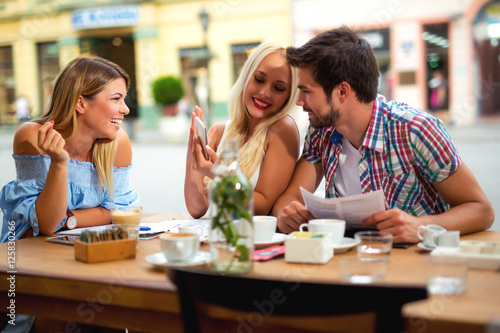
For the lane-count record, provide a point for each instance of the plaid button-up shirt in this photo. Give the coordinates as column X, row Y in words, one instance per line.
column 404, row 152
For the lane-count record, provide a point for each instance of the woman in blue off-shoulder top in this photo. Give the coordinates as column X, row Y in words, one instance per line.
column 75, row 159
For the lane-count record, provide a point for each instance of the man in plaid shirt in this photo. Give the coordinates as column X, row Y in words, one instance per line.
column 361, row 143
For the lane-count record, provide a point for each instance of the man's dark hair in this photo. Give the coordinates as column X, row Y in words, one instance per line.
column 335, row 56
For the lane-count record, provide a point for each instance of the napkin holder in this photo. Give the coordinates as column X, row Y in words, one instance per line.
column 479, row 254
column 307, row 247
column 105, row 250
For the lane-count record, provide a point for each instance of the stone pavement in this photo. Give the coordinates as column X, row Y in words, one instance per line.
column 159, row 166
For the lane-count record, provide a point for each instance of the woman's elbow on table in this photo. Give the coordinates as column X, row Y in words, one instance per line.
column 46, row 230
column 47, row 222
column 197, row 208
column 196, row 214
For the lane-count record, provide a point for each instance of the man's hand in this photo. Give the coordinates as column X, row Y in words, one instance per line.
column 292, row 216
column 402, row 225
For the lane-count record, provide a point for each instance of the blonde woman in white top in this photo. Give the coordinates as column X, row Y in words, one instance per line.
column 268, row 139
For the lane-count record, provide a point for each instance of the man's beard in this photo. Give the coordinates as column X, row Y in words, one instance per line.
column 330, row 119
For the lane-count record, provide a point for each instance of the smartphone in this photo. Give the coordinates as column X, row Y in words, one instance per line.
column 63, row 239
column 201, row 132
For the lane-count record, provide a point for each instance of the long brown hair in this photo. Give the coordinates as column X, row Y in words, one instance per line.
column 85, row 76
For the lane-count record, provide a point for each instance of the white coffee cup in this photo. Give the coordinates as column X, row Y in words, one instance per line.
column 191, row 229
column 180, row 246
column 264, row 228
column 449, row 239
column 333, row 226
column 431, row 234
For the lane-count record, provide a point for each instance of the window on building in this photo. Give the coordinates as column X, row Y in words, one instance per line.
column 48, row 67
column 7, row 87
column 436, row 53
column 240, row 53
column 379, row 40
column 486, row 79
column 194, row 63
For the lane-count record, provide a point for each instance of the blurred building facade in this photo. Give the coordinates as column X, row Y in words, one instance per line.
column 147, row 38
column 439, row 56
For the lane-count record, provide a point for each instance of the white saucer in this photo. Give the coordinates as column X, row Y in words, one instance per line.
column 345, row 245
column 424, row 247
column 159, row 260
column 277, row 239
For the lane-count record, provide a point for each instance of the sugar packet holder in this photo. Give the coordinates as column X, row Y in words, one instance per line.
column 105, row 251
column 107, row 245
column 88, row 236
column 307, row 247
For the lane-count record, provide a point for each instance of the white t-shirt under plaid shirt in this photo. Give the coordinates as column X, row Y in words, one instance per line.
column 404, row 152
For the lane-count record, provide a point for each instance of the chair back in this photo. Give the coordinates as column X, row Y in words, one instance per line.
column 258, row 303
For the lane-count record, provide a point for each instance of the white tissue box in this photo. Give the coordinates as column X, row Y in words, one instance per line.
column 308, row 247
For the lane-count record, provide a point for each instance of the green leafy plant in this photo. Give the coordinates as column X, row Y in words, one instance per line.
column 232, row 199
column 167, row 90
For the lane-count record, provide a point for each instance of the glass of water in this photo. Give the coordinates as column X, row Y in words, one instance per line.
column 355, row 270
column 373, row 245
column 445, row 275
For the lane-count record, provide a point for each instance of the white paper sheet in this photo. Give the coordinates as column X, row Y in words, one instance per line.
column 203, row 223
column 155, row 227
column 353, row 209
column 162, row 226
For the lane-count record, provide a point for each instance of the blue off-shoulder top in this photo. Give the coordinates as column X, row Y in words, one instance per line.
column 17, row 198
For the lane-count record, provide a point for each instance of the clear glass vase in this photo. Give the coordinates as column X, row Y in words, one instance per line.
column 231, row 210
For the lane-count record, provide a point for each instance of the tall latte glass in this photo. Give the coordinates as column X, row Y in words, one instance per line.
column 126, row 215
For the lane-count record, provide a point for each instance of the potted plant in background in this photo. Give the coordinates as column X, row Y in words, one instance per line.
column 167, row 91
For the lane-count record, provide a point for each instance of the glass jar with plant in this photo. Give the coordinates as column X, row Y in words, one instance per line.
column 231, row 210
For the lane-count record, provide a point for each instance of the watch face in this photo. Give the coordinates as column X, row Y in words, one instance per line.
column 71, row 222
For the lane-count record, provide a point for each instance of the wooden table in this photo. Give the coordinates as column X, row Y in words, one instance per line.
column 473, row 311
column 132, row 294
column 120, row 294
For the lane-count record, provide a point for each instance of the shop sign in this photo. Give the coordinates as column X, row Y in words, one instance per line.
column 105, row 17
column 243, row 48
column 378, row 39
column 195, row 52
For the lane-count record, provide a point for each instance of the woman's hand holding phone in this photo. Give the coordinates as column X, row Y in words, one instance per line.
column 201, row 132
column 202, row 157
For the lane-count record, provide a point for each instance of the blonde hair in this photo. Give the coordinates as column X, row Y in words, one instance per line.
column 85, row 76
column 250, row 152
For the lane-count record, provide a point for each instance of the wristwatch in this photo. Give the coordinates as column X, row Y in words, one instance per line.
column 70, row 220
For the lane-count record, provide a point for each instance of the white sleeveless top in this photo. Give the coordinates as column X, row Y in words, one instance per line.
column 255, row 177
